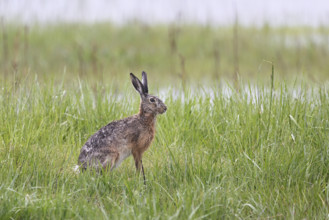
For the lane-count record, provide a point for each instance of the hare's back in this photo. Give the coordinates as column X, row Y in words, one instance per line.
column 114, row 138
column 99, row 143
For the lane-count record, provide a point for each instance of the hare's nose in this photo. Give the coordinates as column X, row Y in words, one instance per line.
column 165, row 108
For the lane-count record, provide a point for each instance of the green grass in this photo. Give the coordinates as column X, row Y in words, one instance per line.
column 248, row 152
column 214, row 156
column 190, row 53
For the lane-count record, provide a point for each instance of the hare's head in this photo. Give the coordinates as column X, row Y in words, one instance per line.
column 149, row 103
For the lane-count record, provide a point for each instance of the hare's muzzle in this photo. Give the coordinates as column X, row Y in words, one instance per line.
column 164, row 109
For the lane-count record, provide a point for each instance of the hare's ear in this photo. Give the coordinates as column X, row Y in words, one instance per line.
column 144, row 81
column 137, row 84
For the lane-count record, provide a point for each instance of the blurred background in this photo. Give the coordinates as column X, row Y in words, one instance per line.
column 207, row 12
column 192, row 41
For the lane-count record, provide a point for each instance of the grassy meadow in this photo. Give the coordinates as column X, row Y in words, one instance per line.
column 104, row 52
column 238, row 146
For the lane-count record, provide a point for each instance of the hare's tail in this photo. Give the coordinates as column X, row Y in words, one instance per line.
column 76, row 169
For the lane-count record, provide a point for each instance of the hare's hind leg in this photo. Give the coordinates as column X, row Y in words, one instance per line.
column 110, row 161
column 114, row 161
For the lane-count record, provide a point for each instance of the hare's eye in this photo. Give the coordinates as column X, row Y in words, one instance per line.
column 152, row 100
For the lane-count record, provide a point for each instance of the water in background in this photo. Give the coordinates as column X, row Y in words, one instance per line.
column 213, row 12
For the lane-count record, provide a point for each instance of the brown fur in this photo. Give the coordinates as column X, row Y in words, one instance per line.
column 114, row 142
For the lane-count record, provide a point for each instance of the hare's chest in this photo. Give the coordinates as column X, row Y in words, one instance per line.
column 145, row 139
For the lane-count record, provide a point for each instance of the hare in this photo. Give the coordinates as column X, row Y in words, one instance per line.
column 113, row 143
